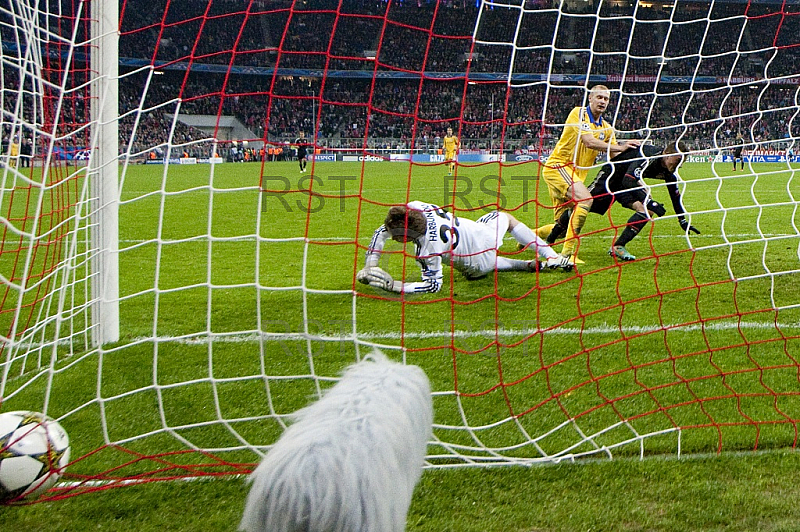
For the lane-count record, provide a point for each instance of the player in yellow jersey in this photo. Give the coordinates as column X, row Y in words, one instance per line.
column 585, row 136
column 14, row 153
column 451, row 145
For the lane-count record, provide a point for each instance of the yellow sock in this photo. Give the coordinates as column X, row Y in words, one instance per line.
column 576, row 222
column 545, row 230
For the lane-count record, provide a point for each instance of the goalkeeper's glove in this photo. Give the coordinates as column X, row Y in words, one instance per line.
column 686, row 227
column 379, row 278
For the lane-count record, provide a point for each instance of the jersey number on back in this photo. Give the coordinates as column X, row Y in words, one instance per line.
column 445, row 231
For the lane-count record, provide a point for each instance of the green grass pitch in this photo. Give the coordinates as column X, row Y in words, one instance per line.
column 574, row 362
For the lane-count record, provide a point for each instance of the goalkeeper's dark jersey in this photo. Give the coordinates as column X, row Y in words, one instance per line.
column 644, row 163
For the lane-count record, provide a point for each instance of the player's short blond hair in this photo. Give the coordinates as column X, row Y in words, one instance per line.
column 599, row 88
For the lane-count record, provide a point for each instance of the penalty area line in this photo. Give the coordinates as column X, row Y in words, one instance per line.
column 481, row 333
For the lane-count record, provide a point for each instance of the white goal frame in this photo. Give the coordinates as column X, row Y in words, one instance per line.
column 38, row 361
column 104, row 171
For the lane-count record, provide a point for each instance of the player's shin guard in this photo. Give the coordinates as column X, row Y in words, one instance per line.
column 559, row 227
column 635, row 224
column 575, row 225
column 544, row 231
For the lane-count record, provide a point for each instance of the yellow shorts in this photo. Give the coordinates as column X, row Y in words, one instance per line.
column 449, row 156
column 559, row 182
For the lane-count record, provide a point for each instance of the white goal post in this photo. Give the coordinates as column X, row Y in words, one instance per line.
column 104, row 171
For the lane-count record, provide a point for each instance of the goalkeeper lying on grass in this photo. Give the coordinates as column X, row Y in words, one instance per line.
column 440, row 237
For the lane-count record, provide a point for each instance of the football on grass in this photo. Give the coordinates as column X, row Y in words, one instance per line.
column 34, row 449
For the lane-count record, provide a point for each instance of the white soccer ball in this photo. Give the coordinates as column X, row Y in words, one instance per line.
column 34, row 450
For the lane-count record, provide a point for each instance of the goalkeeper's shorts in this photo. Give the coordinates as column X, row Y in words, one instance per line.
column 626, row 193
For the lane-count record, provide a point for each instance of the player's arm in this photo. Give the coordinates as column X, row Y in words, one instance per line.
column 677, row 204
column 375, row 276
column 379, row 278
column 431, row 281
column 371, row 273
column 431, row 277
column 376, row 245
column 612, row 147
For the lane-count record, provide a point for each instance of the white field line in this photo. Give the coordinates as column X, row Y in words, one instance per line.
column 202, row 338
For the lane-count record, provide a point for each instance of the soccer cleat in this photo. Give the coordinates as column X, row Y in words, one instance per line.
column 621, row 253
column 559, row 262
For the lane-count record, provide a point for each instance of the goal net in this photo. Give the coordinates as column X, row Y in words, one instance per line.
column 175, row 284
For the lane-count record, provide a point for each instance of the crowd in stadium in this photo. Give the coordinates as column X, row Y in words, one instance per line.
column 512, row 118
column 391, row 112
column 322, row 34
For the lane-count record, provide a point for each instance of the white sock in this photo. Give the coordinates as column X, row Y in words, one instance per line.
column 507, row 265
column 523, row 234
